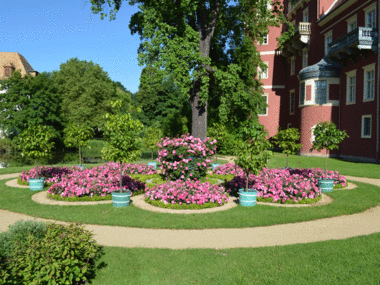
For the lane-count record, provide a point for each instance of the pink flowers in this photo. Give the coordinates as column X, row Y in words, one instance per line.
column 188, row 192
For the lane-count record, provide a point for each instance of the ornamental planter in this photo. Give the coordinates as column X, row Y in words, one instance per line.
column 326, row 185
column 215, row 165
column 83, row 167
column 247, row 199
column 121, row 199
column 154, row 164
column 36, row 184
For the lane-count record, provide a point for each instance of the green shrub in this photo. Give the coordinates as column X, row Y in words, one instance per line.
column 183, row 206
column 21, row 182
column 66, row 255
column 18, row 234
column 80, row 199
column 304, row 201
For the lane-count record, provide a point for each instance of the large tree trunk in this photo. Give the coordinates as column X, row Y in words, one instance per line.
column 206, row 31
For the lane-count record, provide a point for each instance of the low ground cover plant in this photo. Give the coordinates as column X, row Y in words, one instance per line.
column 186, row 157
column 51, row 174
column 187, row 193
column 57, row 255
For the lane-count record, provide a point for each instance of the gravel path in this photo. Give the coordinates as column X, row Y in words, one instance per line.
column 334, row 228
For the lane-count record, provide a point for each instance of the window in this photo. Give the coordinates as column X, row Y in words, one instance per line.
column 264, row 112
column 289, row 125
column 302, row 93
column 8, row 71
column 352, row 24
column 321, row 92
column 351, row 87
column 292, row 65
column 304, row 58
column 265, row 40
column 366, row 126
column 264, row 73
column 370, row 16
column 305, row 15
column 292, row 102
column 328, row 40
column 369, row 82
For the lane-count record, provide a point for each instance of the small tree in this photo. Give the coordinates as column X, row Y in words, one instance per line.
column 36, row 141
column 327, row 136
column 152, row 137
column 287, row 141
column 253, row 149
column 78, row 136
column 123, row 138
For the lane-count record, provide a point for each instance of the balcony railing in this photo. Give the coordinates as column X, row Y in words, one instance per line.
column 360, row 38
column 303, row 28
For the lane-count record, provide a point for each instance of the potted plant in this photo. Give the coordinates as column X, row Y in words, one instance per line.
column 327, row 136
column 36, row 142
column 123, row 145
column 253, row 156
column 78, row 136
column 287, row 141
column 152, row 137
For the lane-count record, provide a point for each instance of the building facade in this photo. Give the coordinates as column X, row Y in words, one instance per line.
column 326, row 71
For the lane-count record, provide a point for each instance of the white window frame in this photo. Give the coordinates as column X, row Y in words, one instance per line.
column 265, row 40
column 292, row 65
column 266, row 109
column 368, row 68
column 305, row 15
column 327, row 36
column 290, row 102
column 349, row 75
column 367, row 11
column 350, row 21
column 316, row 91
column 305, row 58
column 370, row 126
column 264, row 74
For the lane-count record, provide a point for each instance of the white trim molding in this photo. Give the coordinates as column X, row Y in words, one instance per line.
column 366, row 69
column 364, row 136
column 349, row 84
column 273, row 86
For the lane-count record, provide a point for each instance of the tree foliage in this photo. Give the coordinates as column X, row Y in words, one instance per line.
column 78, row 136
column 36, row 141
column 86, row 91
column 287, row 141
column 151, row 138
column 195, row 43
column 29, row 101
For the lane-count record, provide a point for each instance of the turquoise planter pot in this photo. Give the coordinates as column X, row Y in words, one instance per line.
column 121, row 199
column 247, row 199
column 154, row 164
column 214, row 165
column 36, row 184
column 326, row 185
column 83, row 167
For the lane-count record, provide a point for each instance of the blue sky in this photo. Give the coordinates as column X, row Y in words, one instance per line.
column 50, row 32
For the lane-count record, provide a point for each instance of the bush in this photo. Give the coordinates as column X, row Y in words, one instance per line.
column 65, row 255
column 51, row 174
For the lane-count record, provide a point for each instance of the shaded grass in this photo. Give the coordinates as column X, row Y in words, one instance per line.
column 350, row 261
column 346, row 202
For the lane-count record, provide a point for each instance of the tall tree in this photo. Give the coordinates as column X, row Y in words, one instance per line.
column 192, row 39
column 86, row 91
column 29, row 101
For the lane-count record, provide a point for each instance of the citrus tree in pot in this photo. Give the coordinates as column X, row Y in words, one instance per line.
column 287, row 141
column 253, row 156
column 327, row 136
column 36, row 143
column 122, row 134
column 78, row 136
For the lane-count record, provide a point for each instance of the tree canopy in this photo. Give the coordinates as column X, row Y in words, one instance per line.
column 29, row 101
column 86, row 92
column 200, row 44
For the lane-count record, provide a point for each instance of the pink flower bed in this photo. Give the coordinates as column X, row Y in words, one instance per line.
column 228, row 168
column 187, row 192
column 284, row 184
column 100, row 180
column 51, row 174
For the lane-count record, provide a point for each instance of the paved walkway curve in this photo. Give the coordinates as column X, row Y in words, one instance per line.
column 335, row 228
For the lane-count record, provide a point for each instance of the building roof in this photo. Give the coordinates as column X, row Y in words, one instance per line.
column 327, row 67
column 15, row 60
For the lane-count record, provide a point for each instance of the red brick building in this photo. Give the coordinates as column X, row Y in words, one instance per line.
column 328, row 70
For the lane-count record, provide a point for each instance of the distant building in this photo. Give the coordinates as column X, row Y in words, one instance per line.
column 11, row 61
column 327, row 71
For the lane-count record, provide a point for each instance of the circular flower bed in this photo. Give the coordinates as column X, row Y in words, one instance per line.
column 186, row 195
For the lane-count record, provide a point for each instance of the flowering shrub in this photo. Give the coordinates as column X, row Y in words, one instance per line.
column 228, row 168
column 179, row 155
column 96, row 181
column 284, row 184
column 51, row 174
column 136, row 168
column 187, row 192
